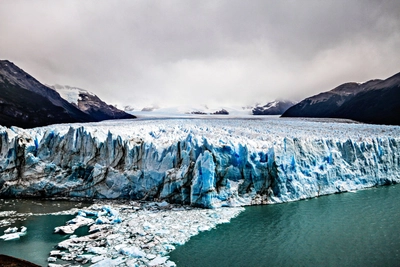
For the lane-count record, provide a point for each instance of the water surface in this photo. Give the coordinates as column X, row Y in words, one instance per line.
column 351, row 229
column 39, row 240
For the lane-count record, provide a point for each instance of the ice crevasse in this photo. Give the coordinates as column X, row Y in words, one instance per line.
column 206, row 163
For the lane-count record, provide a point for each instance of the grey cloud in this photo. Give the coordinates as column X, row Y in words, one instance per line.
column 231, row 52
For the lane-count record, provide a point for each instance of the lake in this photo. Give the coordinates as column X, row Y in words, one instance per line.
column 39, row 240
column 350, row 229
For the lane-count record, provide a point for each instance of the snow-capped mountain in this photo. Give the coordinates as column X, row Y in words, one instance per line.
column 375, row 101
column 25, row 102
column 277, row 107
column 90, row 103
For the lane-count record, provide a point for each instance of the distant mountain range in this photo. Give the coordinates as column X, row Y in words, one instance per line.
column 273, row 108
column 277, row 107
column 27, row 103
column 375, row 101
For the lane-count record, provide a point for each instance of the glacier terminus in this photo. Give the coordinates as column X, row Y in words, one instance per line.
column 201, row 162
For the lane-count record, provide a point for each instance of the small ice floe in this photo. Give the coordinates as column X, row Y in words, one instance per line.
column 107, row 262
column 51, row 259
column 8, row 237
column 12, row 233
column 74, row 224
column 158, row 261
column 11, row 230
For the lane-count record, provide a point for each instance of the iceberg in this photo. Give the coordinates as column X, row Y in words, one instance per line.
column 12, row 233
column 202, row 162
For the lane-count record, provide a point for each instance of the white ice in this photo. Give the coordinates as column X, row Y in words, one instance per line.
column 202, row 162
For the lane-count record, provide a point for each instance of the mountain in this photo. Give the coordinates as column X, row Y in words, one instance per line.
column 273, row 108
column 189, row 111
column 375, row 101
column 90, row 103
column 27, row 103
column 17, row 77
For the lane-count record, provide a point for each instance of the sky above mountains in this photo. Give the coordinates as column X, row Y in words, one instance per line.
column 231, row 52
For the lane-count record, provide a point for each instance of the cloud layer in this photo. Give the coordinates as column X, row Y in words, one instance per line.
column 211, row 52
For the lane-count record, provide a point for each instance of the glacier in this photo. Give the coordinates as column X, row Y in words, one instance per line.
column 201, row 162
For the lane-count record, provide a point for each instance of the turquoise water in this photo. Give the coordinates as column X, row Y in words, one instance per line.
column 39, row 240
column 351, row 229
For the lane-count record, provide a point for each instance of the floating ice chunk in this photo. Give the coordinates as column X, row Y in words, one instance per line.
column 55, row 265
column 55, row 253
column 96, row 259
column 110, row 211
column 131, row 263
column 67, row 229
column 116, row 220
column 169, row 247
column 73, row 224
column 170, row 264
column 97, row 250
column 8, row 237
column 104, row 263
column 204, row 228
column 102, row 220
column 133, row 252
column 162, row 232
column 158, row 261
column 151, row 256
column 11, row 230
column 51, row 259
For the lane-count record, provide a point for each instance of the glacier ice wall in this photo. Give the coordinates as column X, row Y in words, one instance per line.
column 207, row 163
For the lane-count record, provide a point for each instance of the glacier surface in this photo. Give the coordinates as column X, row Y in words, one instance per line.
column 201, row 162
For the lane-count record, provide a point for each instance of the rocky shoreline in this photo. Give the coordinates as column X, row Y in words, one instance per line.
column 15, row 262
column 130, row 233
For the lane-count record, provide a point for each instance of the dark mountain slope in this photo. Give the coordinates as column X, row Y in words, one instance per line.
column 23, row 108
column 90, row 103
column 374, row 106
column 273, row 108
column 376, row 101
column 19, row 78
column 25, row 102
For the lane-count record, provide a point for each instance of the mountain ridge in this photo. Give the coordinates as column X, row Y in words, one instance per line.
column 277, row 107
column 90, row 103
column 375, row 101
column 27, row 103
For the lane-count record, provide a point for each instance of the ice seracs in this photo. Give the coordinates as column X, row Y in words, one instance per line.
column 203, row 162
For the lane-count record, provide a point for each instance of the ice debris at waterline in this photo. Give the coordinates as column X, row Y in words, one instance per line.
column 12, row 233
column 201, row 162
column 133, row 233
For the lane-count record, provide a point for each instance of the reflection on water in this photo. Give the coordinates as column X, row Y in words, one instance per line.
column 352, row 229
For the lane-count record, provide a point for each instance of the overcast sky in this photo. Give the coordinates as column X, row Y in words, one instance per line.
column 167, row 53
